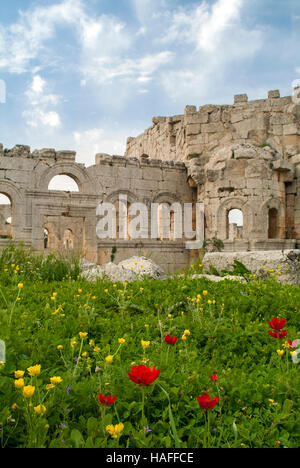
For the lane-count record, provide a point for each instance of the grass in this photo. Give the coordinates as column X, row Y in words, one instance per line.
column 44, row 306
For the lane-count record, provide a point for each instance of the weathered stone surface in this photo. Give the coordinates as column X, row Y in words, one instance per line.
column 132, row 269
column 217, row 279
column 287, row 263
column 142, row 266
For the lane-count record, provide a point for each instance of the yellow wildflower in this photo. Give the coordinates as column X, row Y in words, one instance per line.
column 145, row 344
column 55, row 380
column 82, row 335
column 116, row 430
column 14, row 406
column 28, row 391
column 96, row 349
column 34, row 370
column 186, row 332
column 60, row 347
column 121, row 340
column 204, row 293
column 20, row 285
column 19, row 383
column 19, row 374
column 280, row 352
column 109, row 359
column 49, row 386
column 40, row 409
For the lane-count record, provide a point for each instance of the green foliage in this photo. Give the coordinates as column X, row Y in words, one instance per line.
column 37, row 267
column 228, row 324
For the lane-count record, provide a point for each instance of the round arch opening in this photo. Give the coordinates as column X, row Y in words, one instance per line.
column 63, row 183
column 6, row 218
column 235, row 224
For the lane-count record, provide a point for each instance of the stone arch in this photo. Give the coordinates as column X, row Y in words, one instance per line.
column 272, row 211
column 73, row 170
column 235, row 224
column 70, row 185
column 234, row 203
column 68, row 239
column 114, row 199
column 166, row 197
column 5, row 216
column 8, row 189
column 114, row 196
column 168, row 218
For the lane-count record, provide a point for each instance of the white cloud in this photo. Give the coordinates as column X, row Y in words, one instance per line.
column 215, row 37
column 181, row 52
column 99, row 140
column 39, row 103
column 37, row 85
column 24, row 40
column 106, row 69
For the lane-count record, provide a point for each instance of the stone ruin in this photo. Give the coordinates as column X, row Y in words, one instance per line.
column 242, row 158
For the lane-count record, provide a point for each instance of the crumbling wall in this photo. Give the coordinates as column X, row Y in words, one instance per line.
column 51, row 220
column 274, row 121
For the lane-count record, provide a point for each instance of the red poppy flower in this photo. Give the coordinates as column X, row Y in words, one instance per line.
column 108, row 401
column 142, row 375
column 214, row 377
column 278, row 334
column 206, row 402
column 277, row 324
column 170, row 339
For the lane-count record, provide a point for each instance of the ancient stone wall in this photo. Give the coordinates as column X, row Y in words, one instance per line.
column 274, row 121
column 243, row 157
column 56, row 220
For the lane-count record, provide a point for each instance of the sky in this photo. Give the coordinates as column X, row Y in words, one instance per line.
column 85, row 75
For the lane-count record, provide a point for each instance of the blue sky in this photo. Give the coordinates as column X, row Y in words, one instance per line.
column 85, row 75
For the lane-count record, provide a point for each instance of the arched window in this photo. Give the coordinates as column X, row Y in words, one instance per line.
column 273, row 225
column 170, row 221
column 124, row 218
column 46, row 238
column 5, row 216
column 235, row 223
column 63, row 183
column 68, row 239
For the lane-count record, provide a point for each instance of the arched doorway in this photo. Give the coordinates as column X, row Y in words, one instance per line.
column 273, row 223
column 5, row 216
column 68, row 239
column 235, row 224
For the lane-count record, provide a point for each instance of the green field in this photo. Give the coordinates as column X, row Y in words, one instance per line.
column 88, row 337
